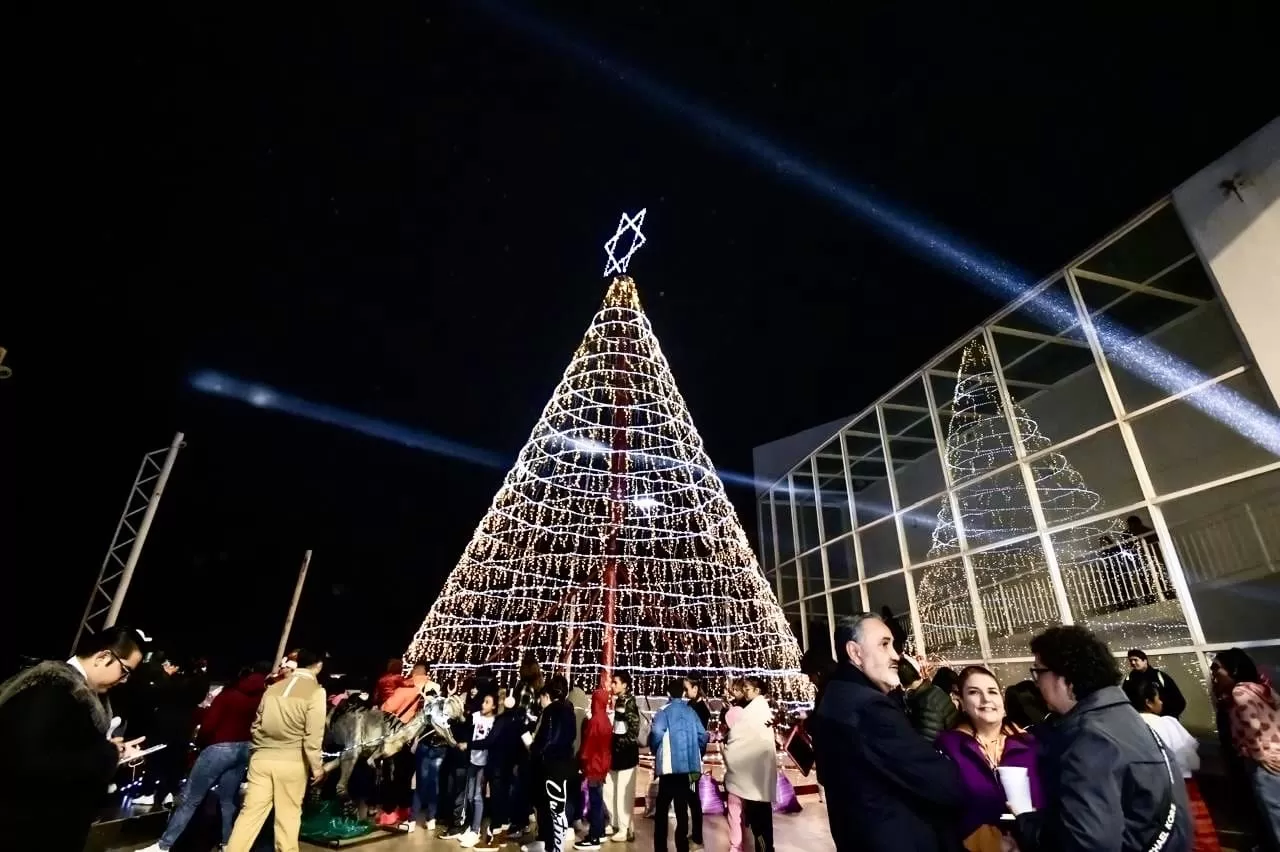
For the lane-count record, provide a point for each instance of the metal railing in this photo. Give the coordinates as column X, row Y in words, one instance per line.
column 1239, row 542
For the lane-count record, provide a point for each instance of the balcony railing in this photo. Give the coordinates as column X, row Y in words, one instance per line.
column 1237, row 543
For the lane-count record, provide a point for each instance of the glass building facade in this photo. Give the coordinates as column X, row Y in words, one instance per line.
column 1066, row 462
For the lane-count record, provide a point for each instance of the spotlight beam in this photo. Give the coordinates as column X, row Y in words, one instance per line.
column 912, row 233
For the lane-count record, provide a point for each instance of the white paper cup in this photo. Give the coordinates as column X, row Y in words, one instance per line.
column 1017, row 788
column 527, row 739
column 620, row 726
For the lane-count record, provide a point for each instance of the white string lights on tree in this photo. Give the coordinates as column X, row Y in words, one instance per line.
column 613, row 529
column 1115, row 585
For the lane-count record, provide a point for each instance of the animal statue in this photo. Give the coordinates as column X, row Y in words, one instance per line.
column 360, row 731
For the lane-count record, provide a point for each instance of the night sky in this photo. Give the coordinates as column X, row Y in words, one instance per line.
column 400, row 212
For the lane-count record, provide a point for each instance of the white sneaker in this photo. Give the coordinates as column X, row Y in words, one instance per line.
column 468, row 839
column 145, row 801
column 535, row 846
column 154, row 847
column 431, row 825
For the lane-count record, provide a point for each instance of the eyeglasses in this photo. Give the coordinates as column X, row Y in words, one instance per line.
column 1036, row 671
column 125, row 669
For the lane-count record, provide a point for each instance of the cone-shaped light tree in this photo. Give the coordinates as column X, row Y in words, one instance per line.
column 1012, row 582
column 611, row 544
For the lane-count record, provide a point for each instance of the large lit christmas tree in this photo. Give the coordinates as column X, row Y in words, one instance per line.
column 1105, row 576
column 611, row 544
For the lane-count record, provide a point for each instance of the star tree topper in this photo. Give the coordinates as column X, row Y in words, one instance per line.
column 626, row 223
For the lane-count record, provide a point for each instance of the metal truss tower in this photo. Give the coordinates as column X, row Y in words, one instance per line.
column 117, row 572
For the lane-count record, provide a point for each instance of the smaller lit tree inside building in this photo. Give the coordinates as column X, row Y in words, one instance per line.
column 1110, row 579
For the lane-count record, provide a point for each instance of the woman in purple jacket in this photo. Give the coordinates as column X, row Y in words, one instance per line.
column 983, row 740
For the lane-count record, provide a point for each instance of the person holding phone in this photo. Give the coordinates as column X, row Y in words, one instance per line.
column 59, row 757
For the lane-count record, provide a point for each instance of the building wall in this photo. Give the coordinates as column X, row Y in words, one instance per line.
column 1232, row 211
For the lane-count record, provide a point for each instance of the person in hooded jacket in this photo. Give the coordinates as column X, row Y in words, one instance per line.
column 594, row 758
column 1110, row 785
column 225, row 733
column 553, row 761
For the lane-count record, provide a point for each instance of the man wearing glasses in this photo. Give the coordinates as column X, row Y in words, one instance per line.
column 58, row 759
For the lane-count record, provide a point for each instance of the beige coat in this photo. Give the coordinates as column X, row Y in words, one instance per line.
column 290, row 722
column 751, row 754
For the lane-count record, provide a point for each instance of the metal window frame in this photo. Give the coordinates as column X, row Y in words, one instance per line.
column 1154, row 510
column 859, row 566
column 822, row 553
column 903, row 556
column 1065, row 616
column 953, row 500
column 795, row 532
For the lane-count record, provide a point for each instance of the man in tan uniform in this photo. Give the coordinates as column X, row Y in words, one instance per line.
column 285, row 755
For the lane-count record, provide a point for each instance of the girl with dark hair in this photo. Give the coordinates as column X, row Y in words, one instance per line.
column 1252, row 710
column 983, row 742
column 1148, row 699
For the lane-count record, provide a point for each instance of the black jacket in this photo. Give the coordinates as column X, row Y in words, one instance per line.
column 552, row 746
column 887, row 789
column 1170, row 694
column 57, row 762
column 930, row 709
column 1104, row 778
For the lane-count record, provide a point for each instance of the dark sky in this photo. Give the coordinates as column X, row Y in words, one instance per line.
column 399, row 212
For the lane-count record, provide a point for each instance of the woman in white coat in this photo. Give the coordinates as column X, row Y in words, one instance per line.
column 751, row 768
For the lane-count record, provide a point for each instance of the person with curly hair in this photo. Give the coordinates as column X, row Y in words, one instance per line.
column 1111, row 785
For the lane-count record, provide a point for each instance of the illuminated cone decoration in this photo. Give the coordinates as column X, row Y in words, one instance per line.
column 1012, row 582
column 611, row 544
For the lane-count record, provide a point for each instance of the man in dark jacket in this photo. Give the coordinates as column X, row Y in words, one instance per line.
column 930, row 710
column 1109, row 784
column 1141, row 672
column 887, row 789
column 58, row 759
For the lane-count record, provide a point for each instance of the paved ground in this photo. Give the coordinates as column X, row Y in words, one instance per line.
column 802, row 832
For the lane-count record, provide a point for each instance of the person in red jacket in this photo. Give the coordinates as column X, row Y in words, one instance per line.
column 392, row 679
column 225, row 735
column 595, row 755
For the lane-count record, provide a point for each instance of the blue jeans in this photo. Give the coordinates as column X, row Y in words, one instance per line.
column 595, row 810
column 475, row 796
column 428, row 759
column 223, row 764
column 1266, row 788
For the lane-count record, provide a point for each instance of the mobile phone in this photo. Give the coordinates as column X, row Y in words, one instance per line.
column 147, row 751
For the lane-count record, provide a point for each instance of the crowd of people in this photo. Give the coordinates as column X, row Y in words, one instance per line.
column 1074, row 758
